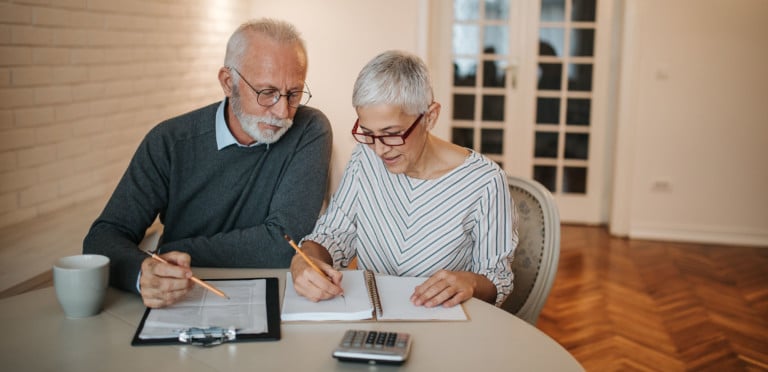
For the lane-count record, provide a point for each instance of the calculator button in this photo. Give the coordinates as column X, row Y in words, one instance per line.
column 391, row 337
column 401, row 341
column 348, row 337
column 381, row 339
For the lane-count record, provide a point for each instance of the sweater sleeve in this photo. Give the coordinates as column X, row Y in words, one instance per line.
column 297, row 199
column 132, row 208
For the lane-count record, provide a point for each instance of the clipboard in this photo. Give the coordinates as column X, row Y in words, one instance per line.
column 272, row 302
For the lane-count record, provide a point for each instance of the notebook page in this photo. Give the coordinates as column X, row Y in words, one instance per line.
column 395, row 294
column 355, row 305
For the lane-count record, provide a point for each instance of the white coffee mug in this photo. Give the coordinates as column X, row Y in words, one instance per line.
column 81, row 284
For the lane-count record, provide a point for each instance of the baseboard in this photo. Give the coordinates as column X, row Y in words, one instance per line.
column 697, row 234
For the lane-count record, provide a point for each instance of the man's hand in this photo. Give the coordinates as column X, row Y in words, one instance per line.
column 163, row 284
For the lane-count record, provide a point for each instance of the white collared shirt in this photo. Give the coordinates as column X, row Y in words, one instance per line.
column 224, row 137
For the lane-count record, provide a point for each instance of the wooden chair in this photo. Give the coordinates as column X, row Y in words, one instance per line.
column 538, row 250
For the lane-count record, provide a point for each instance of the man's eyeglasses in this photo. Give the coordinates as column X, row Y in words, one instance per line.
column 270, row 96
column 389, row 140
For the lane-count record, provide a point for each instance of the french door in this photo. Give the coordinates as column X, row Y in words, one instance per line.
column 526, row 83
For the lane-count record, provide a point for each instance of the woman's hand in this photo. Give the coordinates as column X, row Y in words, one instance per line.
column 450, row 288
column 313, row 285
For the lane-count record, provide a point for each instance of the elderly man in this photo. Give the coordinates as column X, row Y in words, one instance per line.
column 227, row 180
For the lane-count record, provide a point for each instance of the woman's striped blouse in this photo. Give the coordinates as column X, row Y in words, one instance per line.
column 398, row 225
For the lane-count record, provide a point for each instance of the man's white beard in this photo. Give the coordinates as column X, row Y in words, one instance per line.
column 250, row 123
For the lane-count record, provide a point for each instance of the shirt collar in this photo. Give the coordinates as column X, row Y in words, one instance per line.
column 224, row 137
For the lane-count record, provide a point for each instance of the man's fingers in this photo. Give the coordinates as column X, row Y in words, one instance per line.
column 156, row 298
column 163, row 284
column 178, row 258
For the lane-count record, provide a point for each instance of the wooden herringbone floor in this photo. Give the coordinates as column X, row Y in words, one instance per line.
column 631, row 305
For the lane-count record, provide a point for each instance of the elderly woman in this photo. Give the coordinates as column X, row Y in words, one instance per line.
column 409, row 203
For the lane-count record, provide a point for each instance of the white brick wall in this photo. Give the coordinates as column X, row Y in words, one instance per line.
column 81, row 82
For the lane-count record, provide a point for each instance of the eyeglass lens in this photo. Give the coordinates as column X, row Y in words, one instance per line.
column 269, row 97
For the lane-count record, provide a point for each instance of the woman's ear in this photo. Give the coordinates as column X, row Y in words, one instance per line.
column 225, row 79
column 433, row 112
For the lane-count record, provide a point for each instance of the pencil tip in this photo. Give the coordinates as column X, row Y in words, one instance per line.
column 288, row 238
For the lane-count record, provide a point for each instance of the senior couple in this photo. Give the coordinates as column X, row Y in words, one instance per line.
column 229, row 180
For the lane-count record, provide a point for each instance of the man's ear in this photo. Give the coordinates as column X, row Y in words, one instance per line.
column 433, row 112
column 225, row 79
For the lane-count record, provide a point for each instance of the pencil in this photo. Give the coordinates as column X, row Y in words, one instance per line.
column 304, row 256
column 193, row 278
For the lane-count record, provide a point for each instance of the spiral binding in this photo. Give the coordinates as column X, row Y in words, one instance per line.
column 373, row 292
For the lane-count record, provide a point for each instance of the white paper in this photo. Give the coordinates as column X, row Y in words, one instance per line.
column 395, row 297
column 355, row 305
column 246, row 310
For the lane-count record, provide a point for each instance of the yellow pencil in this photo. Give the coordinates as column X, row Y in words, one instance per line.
column 193, row 278
column 304, row 256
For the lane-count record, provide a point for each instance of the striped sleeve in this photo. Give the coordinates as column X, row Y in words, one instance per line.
column 336, row 229
column 496, row 234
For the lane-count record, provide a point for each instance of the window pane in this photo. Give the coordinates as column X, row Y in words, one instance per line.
column 548, row 111
column 466, row 10
column 463, row 137
column 495, row 40
column 466, row 39
column 493, row 107
column 496, row 9
column 494, row 73
column 464, row 72
column 575, row 180
column 552, row 10
column 576, row 145
column 464, row 106
column 578, row 111
column 550, row 75
column 491, row 141
column 546, row 176
column 546, row 145
column 580, row 77
column 582, row 43
column 583, row 11
column 551, row 42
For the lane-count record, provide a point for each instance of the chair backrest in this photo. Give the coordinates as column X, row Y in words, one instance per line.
column 538, row 249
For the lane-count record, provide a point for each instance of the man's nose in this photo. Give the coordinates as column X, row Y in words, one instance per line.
column 281, row 109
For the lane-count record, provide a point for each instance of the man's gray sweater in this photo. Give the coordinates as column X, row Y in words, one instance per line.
column 227, row 207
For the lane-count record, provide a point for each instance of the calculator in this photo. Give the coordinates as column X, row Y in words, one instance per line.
column 373, row 347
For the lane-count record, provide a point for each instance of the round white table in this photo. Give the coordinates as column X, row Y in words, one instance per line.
column 37, row 337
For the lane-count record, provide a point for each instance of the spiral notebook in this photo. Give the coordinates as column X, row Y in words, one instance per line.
column 367, row 296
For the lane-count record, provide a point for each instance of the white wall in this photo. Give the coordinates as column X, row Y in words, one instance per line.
column 81, row 82
column 693, row 122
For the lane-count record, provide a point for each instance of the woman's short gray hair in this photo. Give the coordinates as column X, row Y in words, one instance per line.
column 277, row 30
column 394, row 78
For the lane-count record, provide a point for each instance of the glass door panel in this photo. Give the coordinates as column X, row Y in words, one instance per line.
column 521, row 90
column 480, row 55
column 563, row 95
